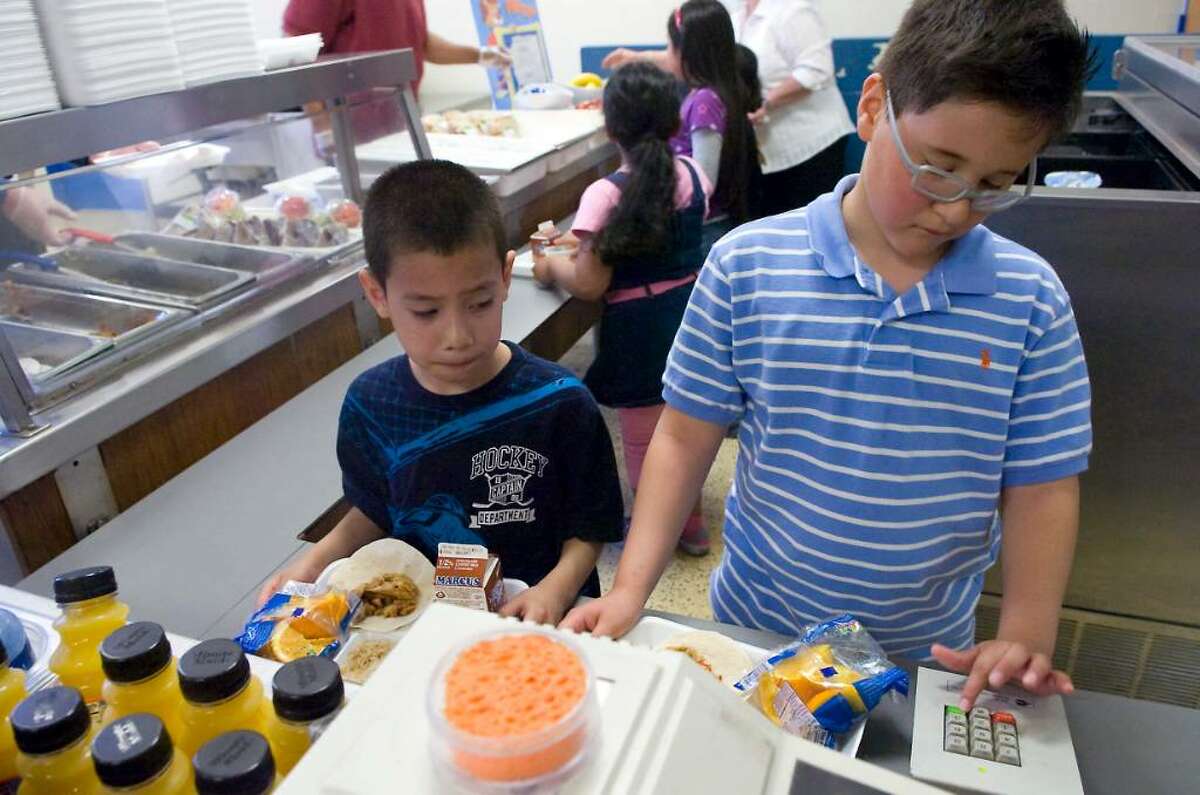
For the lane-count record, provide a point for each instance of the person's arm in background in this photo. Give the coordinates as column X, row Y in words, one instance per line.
column 808, row 50
column 38, row 215
column 706, row 151
column 623, row 55
column 442, row 51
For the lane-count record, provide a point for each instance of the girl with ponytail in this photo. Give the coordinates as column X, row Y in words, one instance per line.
column 638, row 235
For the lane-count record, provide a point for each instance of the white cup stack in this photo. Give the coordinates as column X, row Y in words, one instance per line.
column 106, row 50
column 26, row 83
column 216, row 39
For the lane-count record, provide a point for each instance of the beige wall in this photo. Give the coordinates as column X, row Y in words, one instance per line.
column 571, row 24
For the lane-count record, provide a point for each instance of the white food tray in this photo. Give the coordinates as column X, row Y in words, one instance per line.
column 651, row 632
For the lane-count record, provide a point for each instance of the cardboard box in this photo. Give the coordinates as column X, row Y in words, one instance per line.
column 467, row 576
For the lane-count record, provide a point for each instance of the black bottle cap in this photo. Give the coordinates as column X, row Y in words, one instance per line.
column 135, row 652
column 307, row 689
column 213, row 670
column 236, row 763
column 83, row 584
column 132, row 750
column 50, row 720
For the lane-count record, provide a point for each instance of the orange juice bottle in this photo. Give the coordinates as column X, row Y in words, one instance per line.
column 134, row 754
column 238, row 762
column 220, row 694
column 12, row 692
column 141, row 675
column 307, row 694
column 88, row 598
column 53, row 728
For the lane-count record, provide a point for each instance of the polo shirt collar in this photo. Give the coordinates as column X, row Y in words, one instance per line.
column 969, row 266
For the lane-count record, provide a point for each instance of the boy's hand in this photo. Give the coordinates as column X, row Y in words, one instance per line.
column 612, row 614
column 538, row 605
column 994, row 663
column 297, row 571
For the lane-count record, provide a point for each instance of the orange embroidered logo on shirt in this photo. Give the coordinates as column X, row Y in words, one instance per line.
column 985, row 358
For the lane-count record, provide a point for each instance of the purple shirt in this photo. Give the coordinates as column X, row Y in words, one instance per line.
column 702, row 110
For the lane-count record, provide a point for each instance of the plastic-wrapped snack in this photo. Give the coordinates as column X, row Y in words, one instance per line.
column 299, row 623
column 825, row 682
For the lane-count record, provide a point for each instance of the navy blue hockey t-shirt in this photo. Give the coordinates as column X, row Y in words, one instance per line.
column 519, row 465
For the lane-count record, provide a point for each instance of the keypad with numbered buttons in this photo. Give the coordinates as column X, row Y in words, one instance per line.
column 982, row 734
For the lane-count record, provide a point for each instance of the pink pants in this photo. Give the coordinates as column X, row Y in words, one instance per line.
column 637, row 428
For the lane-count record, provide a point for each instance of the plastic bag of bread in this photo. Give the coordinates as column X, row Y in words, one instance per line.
column 825, row 682
column 300, row 622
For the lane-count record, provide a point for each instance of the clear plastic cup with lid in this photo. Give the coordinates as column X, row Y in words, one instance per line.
column 512, row 710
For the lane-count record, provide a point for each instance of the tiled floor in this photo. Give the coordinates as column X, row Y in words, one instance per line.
column 684, row 586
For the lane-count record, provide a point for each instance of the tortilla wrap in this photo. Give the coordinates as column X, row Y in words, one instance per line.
column 724, row 658
column 386, row 556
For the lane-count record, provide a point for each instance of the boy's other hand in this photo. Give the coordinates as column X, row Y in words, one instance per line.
column 994, row 663
column 613, row 615
column 538, row 605
column 297, row 572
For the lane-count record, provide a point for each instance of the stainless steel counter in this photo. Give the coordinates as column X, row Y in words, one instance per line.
column 1122, row 746
column 88, row 419
column 193, row 554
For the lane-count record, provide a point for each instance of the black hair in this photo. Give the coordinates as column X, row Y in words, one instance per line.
column 1026, row 55
column 747, row 67
column 428, row 205
column 641, row 113
column 702, row 33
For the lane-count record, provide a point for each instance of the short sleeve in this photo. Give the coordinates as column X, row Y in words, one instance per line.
column 1050, row 427
column 805, row 46
column 316, row 16
column 700, row 380
column 704, row 110
column 364, row 468
column 592, row 508
column 595, row 206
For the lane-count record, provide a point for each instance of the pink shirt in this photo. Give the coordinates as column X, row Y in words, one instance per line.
column 602, row 196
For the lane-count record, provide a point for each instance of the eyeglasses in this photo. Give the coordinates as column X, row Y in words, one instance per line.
column 942, row 186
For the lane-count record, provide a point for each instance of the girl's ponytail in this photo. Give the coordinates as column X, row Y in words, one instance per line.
column 641, row 113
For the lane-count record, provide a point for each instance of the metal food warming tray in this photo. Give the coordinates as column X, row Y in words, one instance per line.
column 56, row 350
column 111, row 320
column 268, row 266
column 120, row 274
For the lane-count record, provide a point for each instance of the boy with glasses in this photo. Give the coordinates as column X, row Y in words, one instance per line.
column 904, row 378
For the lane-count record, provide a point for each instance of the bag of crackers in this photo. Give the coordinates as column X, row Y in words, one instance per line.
column 825, row 682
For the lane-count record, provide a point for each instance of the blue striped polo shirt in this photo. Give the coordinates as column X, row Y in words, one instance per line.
column 877, row 430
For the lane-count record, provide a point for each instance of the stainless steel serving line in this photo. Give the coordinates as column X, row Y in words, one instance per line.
column 206, row 279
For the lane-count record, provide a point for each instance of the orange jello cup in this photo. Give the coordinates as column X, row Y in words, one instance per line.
column 512, row 708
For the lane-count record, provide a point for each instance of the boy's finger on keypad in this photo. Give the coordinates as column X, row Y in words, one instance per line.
column 978, row 678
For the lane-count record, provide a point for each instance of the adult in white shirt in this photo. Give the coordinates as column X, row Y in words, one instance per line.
column 803, row 123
